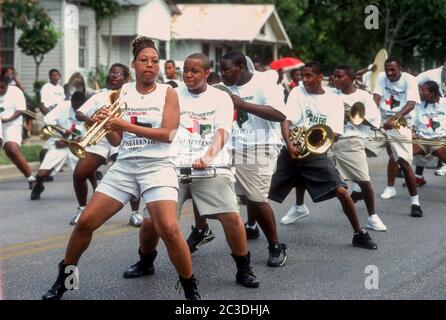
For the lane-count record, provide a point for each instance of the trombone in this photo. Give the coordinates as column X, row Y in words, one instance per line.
column 96, row 131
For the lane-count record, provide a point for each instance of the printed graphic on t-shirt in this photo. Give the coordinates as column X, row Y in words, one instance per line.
column 140, row 116
column 393, row 102
column 315, row 118
column 200, row 124
column 434, row 125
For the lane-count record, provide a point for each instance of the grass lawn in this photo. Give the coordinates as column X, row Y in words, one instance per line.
column 31, row 153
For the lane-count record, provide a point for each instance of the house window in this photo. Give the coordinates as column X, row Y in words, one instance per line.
column 83, row 30
column 262, row 31
column 162, row 49
column 7, row 47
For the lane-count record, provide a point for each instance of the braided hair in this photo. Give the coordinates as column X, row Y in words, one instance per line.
column 142, row 43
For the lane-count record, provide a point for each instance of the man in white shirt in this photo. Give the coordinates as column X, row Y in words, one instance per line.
column 12, row 103
column 64, row 116
column 259, row 109
column 307, row 106
column 396, row 94
column 51, row 94
column 349, row 151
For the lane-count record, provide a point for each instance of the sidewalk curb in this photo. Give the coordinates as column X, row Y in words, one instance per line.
column 9, row 171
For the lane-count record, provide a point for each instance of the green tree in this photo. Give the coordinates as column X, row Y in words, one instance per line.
column 38, row 33
column 104, row 9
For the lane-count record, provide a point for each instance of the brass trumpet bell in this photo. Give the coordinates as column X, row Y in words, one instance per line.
column 355, row 113
column 315, row 140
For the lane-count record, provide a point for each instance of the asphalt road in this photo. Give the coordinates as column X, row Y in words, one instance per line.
column 410, row 261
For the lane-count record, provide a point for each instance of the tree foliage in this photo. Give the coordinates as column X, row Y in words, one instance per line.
column 39, row 35
column 333, row 31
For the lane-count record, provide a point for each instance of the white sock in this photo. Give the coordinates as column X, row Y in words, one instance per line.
column 82, row 208
column 300, row 208
column 415, row 200
column 391, row 188
column 419, row 177
column 251, row 227
column 357, row 188
column 31, row 179
column 136, row 211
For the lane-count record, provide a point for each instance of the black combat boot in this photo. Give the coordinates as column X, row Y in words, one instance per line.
column 58, row 289
column 190, row 287
column 143, row 267
column 244, row 275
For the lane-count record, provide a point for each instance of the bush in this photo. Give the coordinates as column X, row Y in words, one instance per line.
column 31, row 153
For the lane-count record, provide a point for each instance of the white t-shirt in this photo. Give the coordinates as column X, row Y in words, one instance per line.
column 433, row 75
column 367, row 80
column 307, row 109
column 64, row 115
column 50, row 95
column 200, row 117
column 372, row 113
column 96, row 102
column 430, row 119
column 252, row 130
column 146, row 111
column 395, row 95
column 10, row 102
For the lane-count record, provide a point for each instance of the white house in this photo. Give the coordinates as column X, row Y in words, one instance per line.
column 178, row 31
column 215, row 29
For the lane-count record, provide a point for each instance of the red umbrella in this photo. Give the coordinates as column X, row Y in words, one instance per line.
column 286, row 63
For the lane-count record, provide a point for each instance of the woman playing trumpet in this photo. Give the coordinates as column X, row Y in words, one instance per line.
column 143, row 166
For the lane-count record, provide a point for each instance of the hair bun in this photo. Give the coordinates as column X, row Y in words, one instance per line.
column 143, row 41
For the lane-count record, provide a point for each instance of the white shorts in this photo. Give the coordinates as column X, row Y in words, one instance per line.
column 399, row 149
column 103, row 149
column 56, row 158
column 151, row 195
column 253, row 179
column 350, row 159
column 134, row 176
column 12, row 133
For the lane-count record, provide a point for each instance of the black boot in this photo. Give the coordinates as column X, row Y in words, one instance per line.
column 143, row 267
column 58, row 289
column 244, row 275
column 190, row 287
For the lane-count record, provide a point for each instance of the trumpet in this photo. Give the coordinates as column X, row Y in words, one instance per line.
column 315, row 140
column 49, row 130
column 97, row 132
column 187, row 174
column 355, row 113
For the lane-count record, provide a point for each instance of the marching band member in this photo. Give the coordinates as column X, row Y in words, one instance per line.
column 259, row 106
column 99, row 154
column 439, row 76
column 396, row 94
column 12, row 102
column 51, row 94
column 206, row 115
column 307, row 106
column 64, row 116
column 430, row 121
column 349, row 151
column 144, row 135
